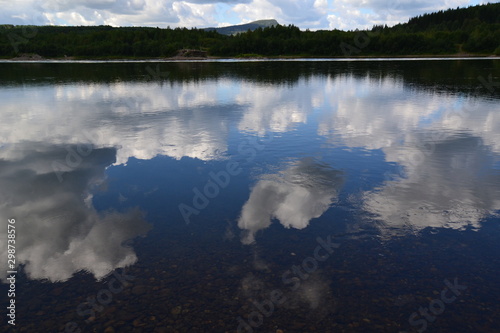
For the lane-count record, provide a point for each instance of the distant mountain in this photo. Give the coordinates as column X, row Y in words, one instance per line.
column 236, row 29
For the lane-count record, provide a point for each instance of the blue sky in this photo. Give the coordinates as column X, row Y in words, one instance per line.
column 306, row 14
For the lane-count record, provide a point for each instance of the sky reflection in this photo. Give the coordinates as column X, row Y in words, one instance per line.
column 58, row 230
column 445, row 145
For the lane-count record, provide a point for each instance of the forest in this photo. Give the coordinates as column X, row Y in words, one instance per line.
column 462, row 31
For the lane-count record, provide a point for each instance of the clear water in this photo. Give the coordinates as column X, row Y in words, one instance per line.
column 305, row 196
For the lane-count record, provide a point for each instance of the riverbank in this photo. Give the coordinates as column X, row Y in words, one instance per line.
column 37, row 57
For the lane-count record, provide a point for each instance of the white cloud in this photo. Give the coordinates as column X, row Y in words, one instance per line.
column 322, row 4
column 305, row 14
column 195, row 15
column 78, row 18
column 257, row 10
column 313, row 14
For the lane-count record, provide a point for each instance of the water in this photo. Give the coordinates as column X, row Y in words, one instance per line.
column 279, row 196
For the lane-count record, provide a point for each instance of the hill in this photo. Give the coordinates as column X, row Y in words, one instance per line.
column 240, row 28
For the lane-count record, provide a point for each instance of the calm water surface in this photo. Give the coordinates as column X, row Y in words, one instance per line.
column 300, row 196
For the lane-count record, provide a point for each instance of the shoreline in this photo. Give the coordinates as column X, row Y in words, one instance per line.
column 37, row 58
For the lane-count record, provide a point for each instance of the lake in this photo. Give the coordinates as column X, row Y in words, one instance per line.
column 250, row 196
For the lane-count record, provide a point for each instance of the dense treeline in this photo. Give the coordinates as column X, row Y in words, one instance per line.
column 101, row 41
column 463, row 30
column 477, row 28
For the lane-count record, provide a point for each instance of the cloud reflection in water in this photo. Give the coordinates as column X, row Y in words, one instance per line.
column 303, row 191
column 455, row 186
column 58, row 231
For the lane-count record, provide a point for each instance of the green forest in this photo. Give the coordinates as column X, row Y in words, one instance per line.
column 462, row 31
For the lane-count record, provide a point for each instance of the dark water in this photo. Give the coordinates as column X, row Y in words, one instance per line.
column 281, row 196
